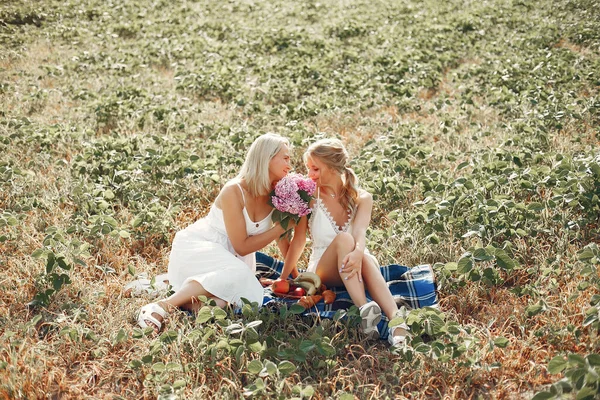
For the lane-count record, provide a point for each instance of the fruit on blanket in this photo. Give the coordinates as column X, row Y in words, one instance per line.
column 309, row 277
column 266, row 281
column 328, row 296
column 281, row 287
column 308, row 286
column 309, row 301
column 298, row 291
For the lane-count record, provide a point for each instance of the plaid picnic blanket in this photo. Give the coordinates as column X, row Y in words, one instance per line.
column 411, row 287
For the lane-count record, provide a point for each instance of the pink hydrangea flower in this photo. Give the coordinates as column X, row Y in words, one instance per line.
column 291, row 198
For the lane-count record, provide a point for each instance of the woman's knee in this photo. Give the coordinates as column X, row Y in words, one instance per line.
column 344, row 239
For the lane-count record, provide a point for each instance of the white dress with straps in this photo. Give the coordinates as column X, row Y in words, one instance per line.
column 323, row 229
column 202, row 252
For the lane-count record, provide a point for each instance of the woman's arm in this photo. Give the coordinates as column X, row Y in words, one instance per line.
column 352, row 263
column 295, row 250
column 284, row 245
column 235, row 224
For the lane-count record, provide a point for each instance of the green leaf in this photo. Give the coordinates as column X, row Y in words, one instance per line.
column 50, row 262
column 37, row 253
column 543, row 396
column 592, row 316
column 481, row 254
column 501, row 342
column 108, row 194
column 465, row 265
column 254, row 324
column 307, row 392
column 557, row 365
column 451, row 266
column 234, row 329
column 286, row 368
column 169, row 336
column 306, row 346
column 180, row 383
column 121, row 336
column 137, row 221
column 504, row 261
column 326, row 349
column 204, row 315
column 174, row 367
column 219, row 313
column 296, row 309
column 521, row 232
column 586, row 254
column 576, row 359
column 80, row 262
column 594, row 360
column 271, row 368
column 587, row 393
column 159, row 367
column 61, row 263
column 284, row 223
column 254, row 367
column 256, row 347
column 535, row 309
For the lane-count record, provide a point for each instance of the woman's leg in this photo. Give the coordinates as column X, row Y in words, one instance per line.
column 377, row 287
column 330, row 263
column 380, row 292
column 186, row 298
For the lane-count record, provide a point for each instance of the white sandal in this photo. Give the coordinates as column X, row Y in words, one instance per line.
column 399, row 339
column 146, row 315
column 371, row 315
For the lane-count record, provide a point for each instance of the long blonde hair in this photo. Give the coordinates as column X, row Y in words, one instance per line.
column 255, row 170
column 334, row 155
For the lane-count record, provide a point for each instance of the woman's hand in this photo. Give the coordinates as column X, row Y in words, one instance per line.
column 292, row 275
column 352, row 264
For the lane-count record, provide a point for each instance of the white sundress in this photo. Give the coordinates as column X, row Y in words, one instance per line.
column 323, row 229
column 202, row 252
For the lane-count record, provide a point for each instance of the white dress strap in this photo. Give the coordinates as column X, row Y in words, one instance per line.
column 242, row 190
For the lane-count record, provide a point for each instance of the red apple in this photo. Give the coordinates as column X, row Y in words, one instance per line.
column 298, row 291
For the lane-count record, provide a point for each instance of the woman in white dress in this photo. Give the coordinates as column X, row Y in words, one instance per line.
column 214, row 257
column 338, row 224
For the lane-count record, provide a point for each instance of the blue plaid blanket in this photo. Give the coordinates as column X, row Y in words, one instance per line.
column 411, row 287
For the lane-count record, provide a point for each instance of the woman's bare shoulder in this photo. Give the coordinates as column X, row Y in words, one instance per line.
column 364, row 195
column 229, row 193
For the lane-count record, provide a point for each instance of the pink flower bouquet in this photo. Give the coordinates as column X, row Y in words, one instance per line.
column 291, row 198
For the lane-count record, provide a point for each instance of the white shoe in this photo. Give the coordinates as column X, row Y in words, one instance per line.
column 146, row 314
column 398, row 339
column 371, row 315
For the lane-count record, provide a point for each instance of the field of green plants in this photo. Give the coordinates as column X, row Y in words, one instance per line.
column 474, row 124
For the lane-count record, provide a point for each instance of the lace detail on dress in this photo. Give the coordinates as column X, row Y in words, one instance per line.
column 331, row 220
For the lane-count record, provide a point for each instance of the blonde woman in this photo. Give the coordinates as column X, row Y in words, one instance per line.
column 338, row 225
column 214, row 257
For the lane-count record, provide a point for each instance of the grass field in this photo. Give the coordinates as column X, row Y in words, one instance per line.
column 474, row 124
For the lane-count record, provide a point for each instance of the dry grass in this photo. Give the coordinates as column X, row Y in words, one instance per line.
column 71, row 349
